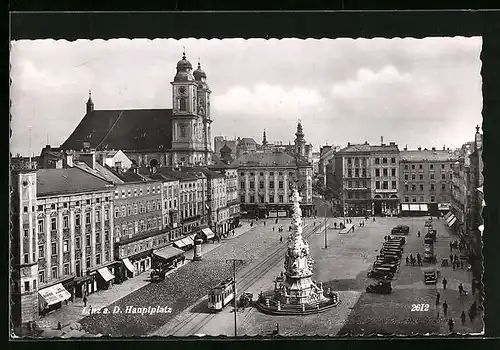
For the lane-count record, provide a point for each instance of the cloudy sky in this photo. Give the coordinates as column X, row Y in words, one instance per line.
column 416, row 92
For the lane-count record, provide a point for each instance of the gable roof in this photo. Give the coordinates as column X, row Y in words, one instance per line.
column 101, row 171
column 68, row 180
column 129, row 129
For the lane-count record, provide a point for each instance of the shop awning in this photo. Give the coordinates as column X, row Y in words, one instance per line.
column 414, row 207
column 452, row 221
column 483, row 203
column 180, row 243
column 105, row 274
column 54, row 294
column 188, row 240
column 444, row 206
column 129, row 265
column 168, row 252
column 208, row 233
column 405, row 207
column 480, row 189
column 448, row 214
column 450, row 218
column 424, row 207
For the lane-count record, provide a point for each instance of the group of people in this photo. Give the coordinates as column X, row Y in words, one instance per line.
column 456, row 262
column 461, row 246
column 411, row 260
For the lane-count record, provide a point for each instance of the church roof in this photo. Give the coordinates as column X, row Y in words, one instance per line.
column 267, row 159
column 129, row 129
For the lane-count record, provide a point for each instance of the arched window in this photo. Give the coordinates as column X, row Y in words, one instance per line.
column 182, row 105
column 182, row 130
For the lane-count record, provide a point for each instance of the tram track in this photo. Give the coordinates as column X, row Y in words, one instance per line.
column 191, row 324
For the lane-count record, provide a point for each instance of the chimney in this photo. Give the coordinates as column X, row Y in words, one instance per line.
column 69, row 160
column 433, row 148
column 444, row 148
column 88, row 158
column 392, row 143
column 419, row 148
column 382, row 140
column 348, row 144
column 86, row 145
column 406, row 148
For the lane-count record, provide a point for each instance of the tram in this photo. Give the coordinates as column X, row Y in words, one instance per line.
column 221, row 295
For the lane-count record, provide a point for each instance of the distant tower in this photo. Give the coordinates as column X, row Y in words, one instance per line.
column 299, row 140
column 203, row 111
column 264, row 140
column 225, row 154
column 90, row 103
column 478, row 139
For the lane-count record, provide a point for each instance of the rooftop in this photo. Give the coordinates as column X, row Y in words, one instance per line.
column 128, row 129
column 68, row 180
column 427, row 155
column 267, row 159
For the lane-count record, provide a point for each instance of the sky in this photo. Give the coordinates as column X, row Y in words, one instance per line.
column 415, row 92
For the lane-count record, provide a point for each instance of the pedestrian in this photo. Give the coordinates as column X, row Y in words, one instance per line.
column 462, row 317
column 460, row 289
column 84, row 300
column 419, row 259
column 273, row 228
column 456, row 258
column 418, row 234
column 314, row 223
column 335, row 225
column 281, row 239
column 451, row 247
column 407, row 260
column 264, row 223
column 59, row 326
column 90, row 309
column 233, row 232
column 438, row 296
column 451, row 258
column 453, row 264
column 445, row 282
column 445, row 308
column 462, row 264
column 450, row 325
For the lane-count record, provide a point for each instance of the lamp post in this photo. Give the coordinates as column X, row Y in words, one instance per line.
column 234, row 292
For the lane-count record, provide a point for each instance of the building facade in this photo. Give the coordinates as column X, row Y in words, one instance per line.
column 384, row 161
column 62, row 239
column 426, row 179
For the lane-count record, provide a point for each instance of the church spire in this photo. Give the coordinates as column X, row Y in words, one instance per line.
column 90, row 103
column 264, row 140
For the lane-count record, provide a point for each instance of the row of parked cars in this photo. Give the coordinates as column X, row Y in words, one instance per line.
column 386, row 265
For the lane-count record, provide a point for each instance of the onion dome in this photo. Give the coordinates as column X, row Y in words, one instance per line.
column 184, row 69
column 199, row 73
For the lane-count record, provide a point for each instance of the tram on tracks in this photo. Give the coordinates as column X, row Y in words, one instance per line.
column 221, row 295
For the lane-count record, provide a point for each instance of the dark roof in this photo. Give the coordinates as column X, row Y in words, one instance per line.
column 68, row 180
column 177, row 174
column 266, row 159
column 245, row 140
column 104, row 172
column 356, row 148
column 210, row 173
column 384, row 148
column 427, row 155
column 130, row 129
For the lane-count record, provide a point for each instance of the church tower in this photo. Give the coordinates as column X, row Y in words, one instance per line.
column 188, row 144
column 90, row 103
column 203, row 112
column 300, row 143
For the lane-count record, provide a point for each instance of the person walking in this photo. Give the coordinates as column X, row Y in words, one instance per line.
column 462, row 317
column 453, row 264
column 450, row 325
column 335, row 225
column 418, row 234
column 85, row 300
column 445, row 282
column 451, row 258
column 273, row 228
column 460, row 289
column 438, row 296
column 281, row 239
column 451, row 247
column 419, row 259
column 445, row 308
column 407, row 260
column 59, row 326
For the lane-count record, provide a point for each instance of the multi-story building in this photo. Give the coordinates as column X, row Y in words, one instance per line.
column 384, row 161
column 425, row 180
column 265, row 180
column 232, row 196
column 61, row 239
column 353, row 169
column 460, row 194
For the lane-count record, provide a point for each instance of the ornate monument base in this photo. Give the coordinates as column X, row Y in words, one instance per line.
column 295, row 293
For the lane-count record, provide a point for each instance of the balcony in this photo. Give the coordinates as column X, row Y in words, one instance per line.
column 386, row 190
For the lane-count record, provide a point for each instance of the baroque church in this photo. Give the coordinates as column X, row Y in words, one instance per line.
column 180, row 136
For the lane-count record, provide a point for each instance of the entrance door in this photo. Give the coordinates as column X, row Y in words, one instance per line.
column 377, row 208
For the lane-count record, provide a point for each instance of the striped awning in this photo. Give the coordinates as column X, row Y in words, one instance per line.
column 180, row 243
column 414, row 207
column 405, row 207
column 452, row 221
column 448, row 214
column 451, row 217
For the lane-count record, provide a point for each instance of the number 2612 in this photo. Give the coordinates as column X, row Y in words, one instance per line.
column 419, row 307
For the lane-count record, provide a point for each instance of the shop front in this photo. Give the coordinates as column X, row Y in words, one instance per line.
column 129, row 270
column 168, row 257
column 385, row 205
column 414, row 209
column 51, row 298
column 185, row 243
column 104, row 278
column 443, row 209
column 207, row 234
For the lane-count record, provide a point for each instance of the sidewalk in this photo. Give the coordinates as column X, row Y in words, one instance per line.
column 73, row 311
column 456, row 303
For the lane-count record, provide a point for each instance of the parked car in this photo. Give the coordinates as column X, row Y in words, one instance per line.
column 400, row 229
column 380, row 287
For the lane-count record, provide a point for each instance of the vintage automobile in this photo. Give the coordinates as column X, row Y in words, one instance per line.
column 246, row 300
column 380, row 287
column 157, row 275
column 381, row 274
column 431, row 276
column 392, row 267
column 387, row 258
column 400, row 229
column 400, row 240
column 393, row 252
column 393, row 246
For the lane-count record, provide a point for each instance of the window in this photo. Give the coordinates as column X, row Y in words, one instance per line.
column 40, row 225
column 65, row 246
column 413, row 176
column 406, row 187
column 356, row 184
column 364, row 183
column 40, row 207
column 97, row 216
column 261, row 199
column 27, row 286
column 420, row 166
column 443, row 176
column 349, row 184
column 106, row 256
column 349, row 195
column 451, row 176
column 364, row 172
column 87, row 241
column 252, row 184
column 271, row 173
column 77, row 203
column 421, row 187
column 432, row 198
column 356, row 172
column 87, row 262
column 432, row 166
column 349, row 172
column 377, row 161
column 406, row 176
column 65, row 221
column 271, row 184
column 393, row 172
column 377, row 185
column 77, row 243
column 87, row 218
column 393, row 160
column 26, row 233
column 280, row 184
column 385, row 185
column 442, row 166
column 349, row 161
column 421, row 198
column 393, row 185
column 432, row 187
column 98, row 259
column 421, row 176
column 407, row 199
column 413, row 188
column 406, row 166
column 97, row 236
column 432, row 176
column 271, row 199
column 251, row 174
column 281, row 198
column 242, row 174
column 242, row 199
column 117, row 212
column 53, row 224
column 414, row 199
column 77, row 220
column 384, row 171
column 261, row 184
column 182, row 107
column 443, row 186
column 252, row 199
column 54, row 272
column 384, row 160
column 26, row 258
column 242, row 184
column 41, row 251
column 53, row 248
column 66, row 269
column 106, row 235
column 41, row 276
column 106, row 215
column 261, row 174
